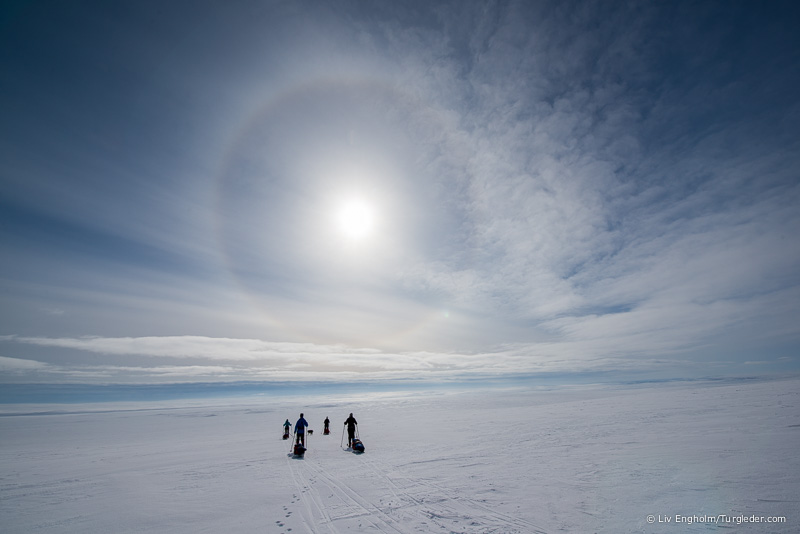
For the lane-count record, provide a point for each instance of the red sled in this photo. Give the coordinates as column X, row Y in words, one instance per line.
column 299, row 450
column 286, row 435
column 326, row 432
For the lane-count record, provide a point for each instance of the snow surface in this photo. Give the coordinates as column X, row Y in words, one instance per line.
column 561, row 460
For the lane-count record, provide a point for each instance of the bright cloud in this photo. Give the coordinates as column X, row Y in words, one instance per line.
column 14, row 365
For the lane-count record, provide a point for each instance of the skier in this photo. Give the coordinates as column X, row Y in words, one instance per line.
column 327, row 430
column 286, row 427
column 300, row 430
column 351, row 429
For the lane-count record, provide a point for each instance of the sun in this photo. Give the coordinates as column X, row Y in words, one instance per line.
column 355, row 219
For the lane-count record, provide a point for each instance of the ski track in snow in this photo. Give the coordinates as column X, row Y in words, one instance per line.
column 588, row 460
column 385, row 504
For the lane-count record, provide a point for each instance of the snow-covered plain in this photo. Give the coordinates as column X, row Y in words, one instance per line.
column 587, row 459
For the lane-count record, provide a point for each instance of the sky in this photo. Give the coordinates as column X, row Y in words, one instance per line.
column 197, row 191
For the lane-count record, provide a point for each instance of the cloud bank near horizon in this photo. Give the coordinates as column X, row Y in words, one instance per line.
column 199, row 359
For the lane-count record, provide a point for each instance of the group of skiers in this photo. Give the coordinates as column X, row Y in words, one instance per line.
column 301, row 425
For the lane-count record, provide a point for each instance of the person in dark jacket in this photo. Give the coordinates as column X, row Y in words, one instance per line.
column 327, row 423
column 351, row 429
column 300, row 430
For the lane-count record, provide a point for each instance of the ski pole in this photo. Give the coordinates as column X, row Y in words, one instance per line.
column 341, row 443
